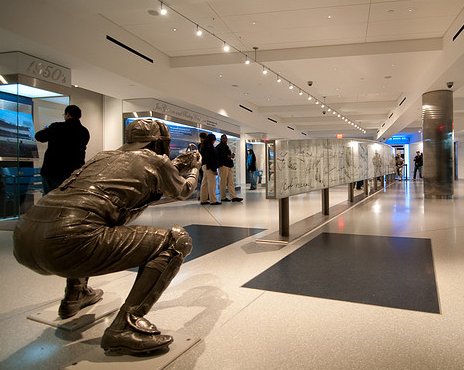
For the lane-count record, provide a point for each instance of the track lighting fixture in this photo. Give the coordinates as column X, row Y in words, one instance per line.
column 226, row 48
column 163, row 10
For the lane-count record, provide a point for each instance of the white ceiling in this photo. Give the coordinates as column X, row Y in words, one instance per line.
column 363, row 56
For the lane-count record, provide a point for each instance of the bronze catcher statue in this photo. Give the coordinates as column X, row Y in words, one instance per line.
column 79, row 230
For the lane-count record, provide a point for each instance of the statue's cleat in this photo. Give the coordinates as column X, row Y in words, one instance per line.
column 130, row 342
column 87, row 297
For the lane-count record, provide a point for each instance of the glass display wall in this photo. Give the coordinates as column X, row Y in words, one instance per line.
column 186, row 133
column 23, row 111
column 183, row 135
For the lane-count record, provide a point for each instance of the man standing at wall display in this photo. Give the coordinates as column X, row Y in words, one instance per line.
column 418, row 163
column 65, row 153
column 226, row 171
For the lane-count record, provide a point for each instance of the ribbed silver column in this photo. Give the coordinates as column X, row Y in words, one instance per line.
column 437, row 120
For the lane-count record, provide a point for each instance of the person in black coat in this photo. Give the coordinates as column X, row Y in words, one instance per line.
column 418, row 164
column 209, row 167
column 251, row 168
column 226, row 171
column 67, row 142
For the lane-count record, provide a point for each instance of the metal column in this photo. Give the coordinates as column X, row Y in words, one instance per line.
column 437, row 113
column 284, row 217
column 351, row 186
column 325, row 201
column 366, row 187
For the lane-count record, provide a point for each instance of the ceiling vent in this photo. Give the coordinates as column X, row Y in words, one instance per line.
column 128, row 48
column 243, row 107
column 458, row 33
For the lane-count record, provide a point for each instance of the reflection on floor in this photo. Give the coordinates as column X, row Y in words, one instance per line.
column 379, row 270
column 207, row 239
column 243, row 328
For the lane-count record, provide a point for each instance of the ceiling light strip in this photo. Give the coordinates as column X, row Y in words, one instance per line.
column 265, row 69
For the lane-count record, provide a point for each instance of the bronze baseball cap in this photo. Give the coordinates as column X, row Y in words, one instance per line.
column 141, row 132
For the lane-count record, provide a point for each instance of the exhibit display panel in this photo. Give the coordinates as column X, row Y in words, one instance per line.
column 33, row 93
column 185, row 126
column 299, row 166
column 183, row 135
column 24, row 110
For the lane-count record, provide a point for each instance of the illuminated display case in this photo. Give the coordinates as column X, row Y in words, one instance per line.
column 26, row 106
column 184, row 126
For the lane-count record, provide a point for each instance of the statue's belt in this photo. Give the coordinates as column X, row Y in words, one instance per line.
column 44, row 212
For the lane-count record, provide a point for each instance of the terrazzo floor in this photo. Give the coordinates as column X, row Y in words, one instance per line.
column 238, row 327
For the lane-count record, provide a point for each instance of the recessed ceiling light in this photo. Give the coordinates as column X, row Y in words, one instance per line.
column 390, row 11
column 234, row 85
column 153, row 12
column 387, row 77
column 253, row 23
column 220, row 76
column 174, row 29
column 329, row 17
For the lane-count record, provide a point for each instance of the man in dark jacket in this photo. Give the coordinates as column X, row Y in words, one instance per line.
column 251, row 168
column 209, row 167
column 65, row 153
column 226, row 171
column 418, row 164
column 79, row 230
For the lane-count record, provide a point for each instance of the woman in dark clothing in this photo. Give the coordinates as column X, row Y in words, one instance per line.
column 209, row 167
column 251, row 168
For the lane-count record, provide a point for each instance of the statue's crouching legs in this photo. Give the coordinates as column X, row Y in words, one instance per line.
column 77, row 296
column 130, row 332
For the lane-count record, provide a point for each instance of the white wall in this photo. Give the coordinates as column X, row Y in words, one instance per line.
column 91, row 105
column 112, row 123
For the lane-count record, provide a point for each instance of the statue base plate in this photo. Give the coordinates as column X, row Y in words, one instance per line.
column 49, row 314
column 96, row 359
